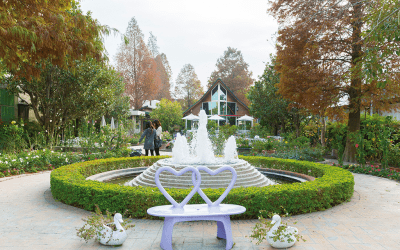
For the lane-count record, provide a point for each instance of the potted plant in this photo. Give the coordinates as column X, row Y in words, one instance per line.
column 108, row 230
column 277, row 234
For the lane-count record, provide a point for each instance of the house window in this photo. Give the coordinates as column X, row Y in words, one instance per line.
column 205, row 108
column 222, row 106
column 214, row 108
column 222, row 94
column 219, row 104
column 231, row 108
column 214, row 94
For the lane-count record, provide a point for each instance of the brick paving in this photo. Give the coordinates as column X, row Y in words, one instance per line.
column 31, row 219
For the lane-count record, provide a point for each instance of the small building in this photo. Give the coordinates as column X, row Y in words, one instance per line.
column 8, row 105
column 15, row 107
column 142, row 116
column 219, row 100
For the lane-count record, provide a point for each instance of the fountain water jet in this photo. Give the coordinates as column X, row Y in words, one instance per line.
column 199, row 152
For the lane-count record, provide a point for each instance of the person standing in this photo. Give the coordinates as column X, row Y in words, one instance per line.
column 157, row 126
column 150, row 134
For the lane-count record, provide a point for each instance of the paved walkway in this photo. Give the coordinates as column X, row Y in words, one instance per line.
column 31, row 219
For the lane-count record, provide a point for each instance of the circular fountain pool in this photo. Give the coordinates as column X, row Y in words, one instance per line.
column 122, row 176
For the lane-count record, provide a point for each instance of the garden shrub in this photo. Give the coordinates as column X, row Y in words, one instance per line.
column 12, row 137
column 300, row 141
column 258, row 146
column 34, row 134
column 332, row 186
column 218, row 139
column 243, row 143
column 301, row 153
column 311, row 131
column 394, row 155
column 376, row 141
column 259, row 130
column 227, row 130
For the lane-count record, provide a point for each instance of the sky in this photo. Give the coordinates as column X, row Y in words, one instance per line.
column 193, row 31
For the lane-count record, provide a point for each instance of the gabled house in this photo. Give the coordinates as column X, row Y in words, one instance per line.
column 220, row 100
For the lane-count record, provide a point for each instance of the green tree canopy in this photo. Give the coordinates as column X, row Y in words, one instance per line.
column 168, row 113
column 60, row 95
column 382, row 43
column 273, row 110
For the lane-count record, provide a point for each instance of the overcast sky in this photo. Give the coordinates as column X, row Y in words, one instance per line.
column 195, row 32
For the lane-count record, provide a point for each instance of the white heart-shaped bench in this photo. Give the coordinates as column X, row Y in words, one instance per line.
column 178, row 212
column 195, row 174
column 215, row 172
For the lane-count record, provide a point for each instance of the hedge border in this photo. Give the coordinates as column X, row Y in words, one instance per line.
column 332, row 186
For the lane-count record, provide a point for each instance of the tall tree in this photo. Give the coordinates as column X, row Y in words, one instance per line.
column 137, row 66
column 187, row 86
column 320, row 58
column 152, row 45
column 234, row 72
column 33, row 30
column 165, row 74
column 163, row 69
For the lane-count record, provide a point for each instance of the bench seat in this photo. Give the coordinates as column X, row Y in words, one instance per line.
column 196, row 210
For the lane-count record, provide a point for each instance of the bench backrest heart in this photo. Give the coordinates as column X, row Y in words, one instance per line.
column 195, row 175
column 215, row 172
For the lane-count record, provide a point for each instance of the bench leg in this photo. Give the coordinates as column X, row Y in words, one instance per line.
column 225, row 231
column 221, row 230
column 166, row 238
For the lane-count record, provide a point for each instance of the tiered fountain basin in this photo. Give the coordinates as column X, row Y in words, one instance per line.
column 332, row 186
column 247, row 176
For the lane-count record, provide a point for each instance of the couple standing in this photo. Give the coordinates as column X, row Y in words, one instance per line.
column 152, row 132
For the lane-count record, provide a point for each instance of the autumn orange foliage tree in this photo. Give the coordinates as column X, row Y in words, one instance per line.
column 320, row 58
column 164, row 71
column 139, row 69
column 56, row 30
column 234, row 72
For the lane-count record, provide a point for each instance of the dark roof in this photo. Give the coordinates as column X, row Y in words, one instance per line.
column 209, row 89
column 145, row 107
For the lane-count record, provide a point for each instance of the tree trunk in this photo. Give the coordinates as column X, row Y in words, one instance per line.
column 76, row 130
column 354, row 90
column 297, row 125
column 323, row 131
column 353, row 126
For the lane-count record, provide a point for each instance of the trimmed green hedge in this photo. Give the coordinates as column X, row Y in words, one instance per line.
column 332, row 186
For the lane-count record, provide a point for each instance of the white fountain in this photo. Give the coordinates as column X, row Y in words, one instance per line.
column 199, row 153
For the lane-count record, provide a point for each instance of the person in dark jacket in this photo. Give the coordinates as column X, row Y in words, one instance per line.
column 150, row 134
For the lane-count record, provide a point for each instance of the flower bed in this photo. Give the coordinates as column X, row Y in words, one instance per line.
column 33, row 161
column 332, row 186
column 390, row 173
